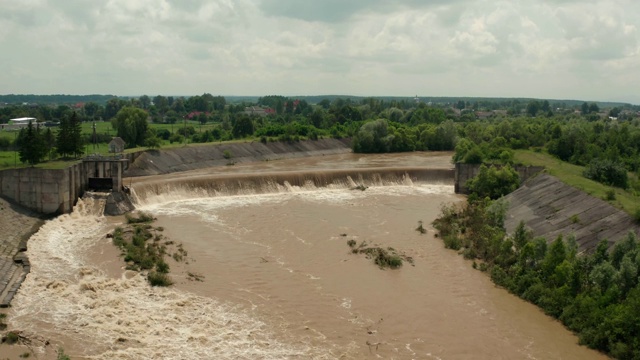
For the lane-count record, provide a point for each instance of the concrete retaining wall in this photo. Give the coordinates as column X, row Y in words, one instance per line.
column 464, row 172
column 46, row 191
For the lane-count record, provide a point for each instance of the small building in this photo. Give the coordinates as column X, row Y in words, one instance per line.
column 24, row 121
column 116, row 145
column 259, row 111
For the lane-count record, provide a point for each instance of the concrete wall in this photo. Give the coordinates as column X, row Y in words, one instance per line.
column 464, row 172
column 46, row 191
column 55, row 191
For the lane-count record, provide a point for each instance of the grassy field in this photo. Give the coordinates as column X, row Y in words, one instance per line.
column 572, row 175
column 10, row 159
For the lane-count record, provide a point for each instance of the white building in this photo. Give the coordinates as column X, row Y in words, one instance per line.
column 22, row 121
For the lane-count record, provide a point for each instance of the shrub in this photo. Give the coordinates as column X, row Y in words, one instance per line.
column 176, row 138
column 227, row 154
column 62, row 355
column 11, row 338
column 575, row 219
column 159, row 279
column 452, row 242
column 494, row 183
column 610, row 195
column 162, row 267
column 141, row 218
column 607, row 172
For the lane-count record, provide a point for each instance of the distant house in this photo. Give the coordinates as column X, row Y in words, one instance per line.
column 116, row 145
column 259, row 111
column 484, row 114
column 23, row 121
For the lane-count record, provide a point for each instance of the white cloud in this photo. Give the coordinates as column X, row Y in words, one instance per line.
column 550, row 48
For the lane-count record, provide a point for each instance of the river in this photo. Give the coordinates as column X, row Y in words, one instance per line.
column 278, row 278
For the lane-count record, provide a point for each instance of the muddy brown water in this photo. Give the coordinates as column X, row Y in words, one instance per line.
column 279, row 280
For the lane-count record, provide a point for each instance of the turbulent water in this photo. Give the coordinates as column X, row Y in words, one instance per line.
column 280, row 281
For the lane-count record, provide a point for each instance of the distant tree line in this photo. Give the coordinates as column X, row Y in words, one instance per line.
column 374, row 124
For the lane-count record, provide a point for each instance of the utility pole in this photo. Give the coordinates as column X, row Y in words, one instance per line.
column 95, row 137
column 184, row 131
column 15, row 147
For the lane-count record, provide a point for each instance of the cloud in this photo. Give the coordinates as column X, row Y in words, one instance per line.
column 549, row 48
column 332, row 11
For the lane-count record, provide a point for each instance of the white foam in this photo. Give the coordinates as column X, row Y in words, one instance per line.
column 125, row 318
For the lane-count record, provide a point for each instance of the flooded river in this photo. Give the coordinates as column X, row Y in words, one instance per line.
column 269, row 241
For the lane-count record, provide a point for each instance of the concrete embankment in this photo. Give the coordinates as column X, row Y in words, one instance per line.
column 551, row 208
column 198, row 157
column 17, row 224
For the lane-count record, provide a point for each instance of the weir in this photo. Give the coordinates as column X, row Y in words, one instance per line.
column 289, row 181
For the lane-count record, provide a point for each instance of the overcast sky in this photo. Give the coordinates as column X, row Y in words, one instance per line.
column 559, row 49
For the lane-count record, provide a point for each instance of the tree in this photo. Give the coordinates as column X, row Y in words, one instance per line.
column 145, row 101
column 494, row 183
column 242, row 127
column 131, row 125
column 69, row 139
column 32, row 146
column 533, row 107
column 373, row 137
column 49, row 141
column 153, row 141
column 92, row 110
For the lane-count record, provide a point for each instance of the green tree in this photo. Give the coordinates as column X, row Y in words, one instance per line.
column 533, row 107
column 494, row 183
column 242, row 127
column 32, row 145
column 69, row 137
column 373, row 137
column 131, row 125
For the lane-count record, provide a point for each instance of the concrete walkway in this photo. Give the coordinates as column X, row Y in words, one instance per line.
column 16, row 226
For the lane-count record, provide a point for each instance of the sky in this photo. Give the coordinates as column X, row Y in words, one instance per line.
column 553, row 49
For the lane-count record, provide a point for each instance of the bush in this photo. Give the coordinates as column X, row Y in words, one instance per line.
column 159, row 279
column 176, row 138
column 11, row 338
column 62, row 355
column 610, row 195
column 494, row 183
column 607, row 172
column 452, row 242
column 142, row 218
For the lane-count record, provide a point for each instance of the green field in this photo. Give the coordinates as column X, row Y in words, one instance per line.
column 572, row 175
column 10, row 159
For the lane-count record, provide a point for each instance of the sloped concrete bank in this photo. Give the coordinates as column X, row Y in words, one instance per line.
column 550, row 208
column 199, row 157
column 17, row 224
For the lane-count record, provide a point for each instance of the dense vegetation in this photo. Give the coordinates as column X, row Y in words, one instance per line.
column 143, row 248
column 604, row 139
column 596, row 295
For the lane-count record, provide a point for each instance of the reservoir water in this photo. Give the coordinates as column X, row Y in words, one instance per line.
column 269, row 242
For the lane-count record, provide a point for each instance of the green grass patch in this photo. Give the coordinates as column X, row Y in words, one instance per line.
column 142, row 249
column 572, row 175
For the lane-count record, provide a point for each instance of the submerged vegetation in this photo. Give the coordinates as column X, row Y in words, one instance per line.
column 384, row 258
column 596, row 295
column 143, row 248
